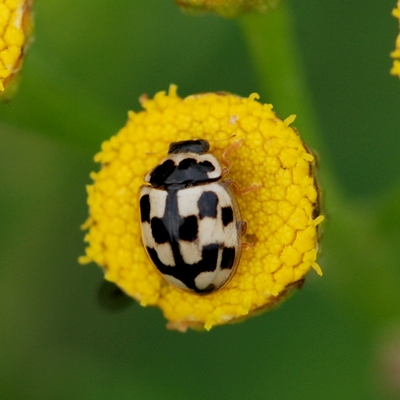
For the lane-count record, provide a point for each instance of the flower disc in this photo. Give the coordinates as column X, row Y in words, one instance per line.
column 282, row 215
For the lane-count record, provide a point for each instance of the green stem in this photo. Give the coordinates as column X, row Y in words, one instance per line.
column 271, row 43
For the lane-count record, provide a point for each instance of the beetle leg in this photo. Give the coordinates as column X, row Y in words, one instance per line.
column 224, row 158
column 247, row 245
column 250, row 239
column 240, row 192
column 242, row 227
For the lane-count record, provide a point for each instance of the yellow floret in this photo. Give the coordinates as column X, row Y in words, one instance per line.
column 14, row 28
column 282, row 215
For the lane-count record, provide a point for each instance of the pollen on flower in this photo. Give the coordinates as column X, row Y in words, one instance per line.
column 282, row 224
column 14, row 28
column 396, row 53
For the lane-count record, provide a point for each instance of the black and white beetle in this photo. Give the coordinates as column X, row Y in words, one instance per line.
column 190, row 219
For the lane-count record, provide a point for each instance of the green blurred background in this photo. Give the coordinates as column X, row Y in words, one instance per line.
column 88, row 65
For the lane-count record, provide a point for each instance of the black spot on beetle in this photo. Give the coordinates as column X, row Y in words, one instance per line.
column 187, row 273
column 227, row 215
column 207, row 166
column 207, row 204
column 189, row 229
column 160, row 174
column 145, row 208
column 159, row 230
column 228, row 258
column 156, row 260
column 190, row 172
column 209, row 257
column 187, row 163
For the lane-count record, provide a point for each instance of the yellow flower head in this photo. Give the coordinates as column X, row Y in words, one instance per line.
column 226, row 8
column 396, row 53
column 282, row 215
column 15, row 24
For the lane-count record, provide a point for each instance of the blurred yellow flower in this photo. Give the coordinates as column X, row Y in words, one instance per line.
column 282, row 216
column 396, row 53
column 15, row 25
column 226, row 8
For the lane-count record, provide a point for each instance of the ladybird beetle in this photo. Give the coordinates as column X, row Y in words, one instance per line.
column 190, row 219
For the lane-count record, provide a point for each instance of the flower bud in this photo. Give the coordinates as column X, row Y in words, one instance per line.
column 15, row 27
column 226, row 8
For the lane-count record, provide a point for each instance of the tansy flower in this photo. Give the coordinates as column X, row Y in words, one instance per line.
column 396, row 53
column 226, row 8
column 15, row 25
column 282, row 214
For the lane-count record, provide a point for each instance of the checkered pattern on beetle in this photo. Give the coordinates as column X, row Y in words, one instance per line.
column 190, row 219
